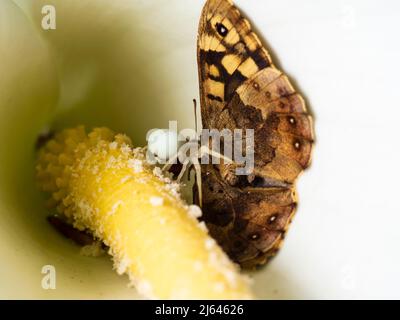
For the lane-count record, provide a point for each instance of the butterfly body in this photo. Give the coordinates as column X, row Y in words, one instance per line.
column 240, row 88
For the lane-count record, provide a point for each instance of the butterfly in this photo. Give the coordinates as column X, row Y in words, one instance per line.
column 241, row 88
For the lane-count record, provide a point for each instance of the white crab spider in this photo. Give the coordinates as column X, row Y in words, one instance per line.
column 163, row 143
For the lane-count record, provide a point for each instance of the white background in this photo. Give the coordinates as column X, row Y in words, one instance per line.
column 344, row 57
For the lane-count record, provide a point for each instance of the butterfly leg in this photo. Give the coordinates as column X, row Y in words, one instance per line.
column 197, row 169
column 184, row 167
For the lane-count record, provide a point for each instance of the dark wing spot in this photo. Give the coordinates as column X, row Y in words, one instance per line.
column 297, row 144
column 272, row 218
column 256, row 86
column 254, row 236
column 221, row 29
column 292, row 120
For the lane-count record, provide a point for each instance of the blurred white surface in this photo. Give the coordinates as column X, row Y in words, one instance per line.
column 131, row 65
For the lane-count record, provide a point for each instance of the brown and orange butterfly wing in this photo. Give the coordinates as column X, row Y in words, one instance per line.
column 240, row 88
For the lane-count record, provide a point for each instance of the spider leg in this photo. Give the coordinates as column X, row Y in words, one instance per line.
column 170, row 162
column 184, row 167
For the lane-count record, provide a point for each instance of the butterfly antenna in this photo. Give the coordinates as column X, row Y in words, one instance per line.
column 195, row 114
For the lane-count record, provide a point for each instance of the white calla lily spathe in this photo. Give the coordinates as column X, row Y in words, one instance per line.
column 105, row 64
